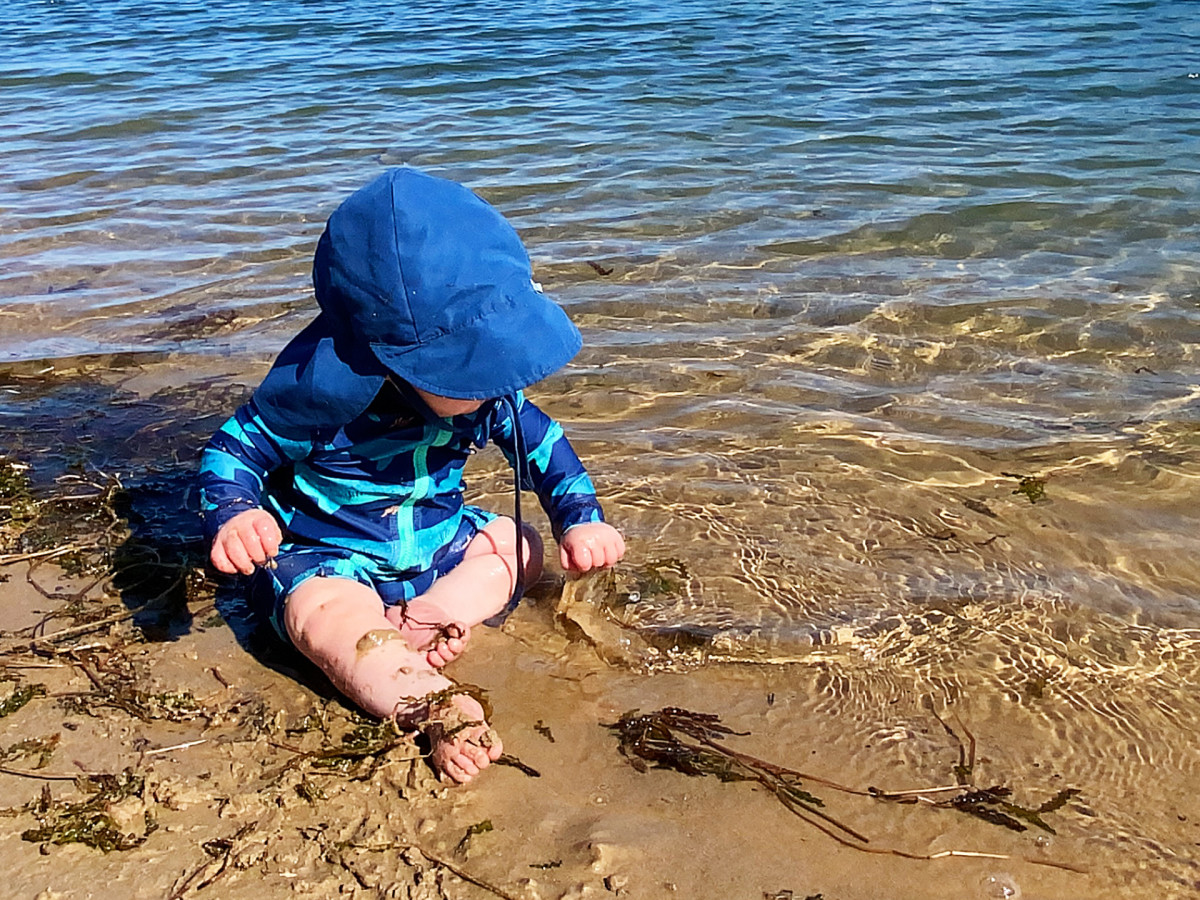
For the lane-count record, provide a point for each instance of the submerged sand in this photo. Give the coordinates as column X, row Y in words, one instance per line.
column 240, row 796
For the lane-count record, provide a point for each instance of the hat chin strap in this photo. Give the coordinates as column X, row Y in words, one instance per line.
column 520, row 475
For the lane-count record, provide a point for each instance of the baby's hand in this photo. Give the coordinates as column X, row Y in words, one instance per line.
column 593, row 545
column 249, row 538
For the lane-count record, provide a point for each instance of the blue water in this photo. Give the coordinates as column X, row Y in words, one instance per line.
column 161, row 154
column 846, row 272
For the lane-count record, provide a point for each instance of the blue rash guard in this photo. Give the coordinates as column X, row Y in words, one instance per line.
column 380, row 499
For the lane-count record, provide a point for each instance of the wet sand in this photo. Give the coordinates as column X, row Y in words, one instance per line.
column 239, row 810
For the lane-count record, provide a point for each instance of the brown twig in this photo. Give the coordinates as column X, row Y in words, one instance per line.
column 444, row 863
column 183, row 887
column 41, row 776
column 76, row 630
column 13, row 558
column 507, row 759
column 771, row 768
column 91, row 676
column 941, row 854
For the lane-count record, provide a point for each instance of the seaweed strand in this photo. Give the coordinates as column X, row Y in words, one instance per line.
column 659, row 739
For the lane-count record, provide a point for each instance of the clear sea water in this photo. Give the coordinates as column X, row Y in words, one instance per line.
column 847, row 274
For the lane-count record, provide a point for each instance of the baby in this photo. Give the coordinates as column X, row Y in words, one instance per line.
column 338, row 486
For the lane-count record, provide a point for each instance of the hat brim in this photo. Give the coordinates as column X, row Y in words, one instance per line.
column 498, row 354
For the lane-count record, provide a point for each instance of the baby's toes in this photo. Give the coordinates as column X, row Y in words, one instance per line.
column 481, row 756
column 471, row 761
column 486, row 746
column 460, row 769
column 445, row 652
column 441, row 654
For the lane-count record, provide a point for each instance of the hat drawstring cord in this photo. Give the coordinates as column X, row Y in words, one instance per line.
column 520, row 476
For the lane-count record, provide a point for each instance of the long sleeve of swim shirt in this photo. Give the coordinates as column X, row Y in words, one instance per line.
column 236, row 463
column 386, row 485
column 555, row 472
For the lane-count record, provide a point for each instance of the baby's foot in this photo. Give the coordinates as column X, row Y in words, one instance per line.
column 421, row 626
column 462, row 743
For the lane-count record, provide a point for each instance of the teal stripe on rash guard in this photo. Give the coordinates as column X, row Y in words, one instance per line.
column 224, row 467
column 409, row 543
column 580, row 485
column 252, row 432
column 332, row 495
column 540, row 455
column 406, row 544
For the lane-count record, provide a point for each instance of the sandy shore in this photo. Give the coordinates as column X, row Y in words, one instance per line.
column 230, row 777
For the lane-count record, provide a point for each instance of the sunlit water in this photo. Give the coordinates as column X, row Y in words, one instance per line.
column 846, row 273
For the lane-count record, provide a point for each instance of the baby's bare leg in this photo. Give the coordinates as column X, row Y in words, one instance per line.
column 476, row 589
column 340, row 625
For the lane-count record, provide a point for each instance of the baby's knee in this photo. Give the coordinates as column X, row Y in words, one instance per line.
column 533, row 550
column 499, row 539
column 315, row 604
column 298, row 608
column 500, row 536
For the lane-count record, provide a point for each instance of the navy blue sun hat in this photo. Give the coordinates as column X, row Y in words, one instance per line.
column 438, row 285
column 416, row 276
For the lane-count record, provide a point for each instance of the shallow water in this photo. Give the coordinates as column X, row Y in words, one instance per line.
column 846, row 274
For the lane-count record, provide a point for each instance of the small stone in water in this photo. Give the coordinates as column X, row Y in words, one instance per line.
column 1001, row 887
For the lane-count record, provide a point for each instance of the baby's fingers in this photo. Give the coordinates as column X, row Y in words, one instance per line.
column 576, row 559
column 252, row 544
column 233, row 554
column 614, row 549
column 220, row 559
column 269, row 536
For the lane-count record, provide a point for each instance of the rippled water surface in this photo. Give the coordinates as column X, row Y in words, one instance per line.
column 891, row 313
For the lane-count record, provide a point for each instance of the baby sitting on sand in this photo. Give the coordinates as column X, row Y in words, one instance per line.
column 338, row 486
